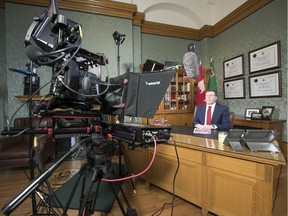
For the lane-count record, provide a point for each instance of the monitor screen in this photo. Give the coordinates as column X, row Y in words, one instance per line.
column 52, row 10
column 151, row 65
column 235, row 133
column 146, row 92
column 256, row 134
column 140, row 97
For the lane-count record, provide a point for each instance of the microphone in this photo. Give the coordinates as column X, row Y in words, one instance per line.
column 190, row 64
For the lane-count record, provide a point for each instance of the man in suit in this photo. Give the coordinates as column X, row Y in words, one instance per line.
column 219, row 114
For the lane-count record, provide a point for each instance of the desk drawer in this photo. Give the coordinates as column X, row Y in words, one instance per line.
column 238, row 166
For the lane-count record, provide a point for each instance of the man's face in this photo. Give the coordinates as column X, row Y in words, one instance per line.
column 210, row 98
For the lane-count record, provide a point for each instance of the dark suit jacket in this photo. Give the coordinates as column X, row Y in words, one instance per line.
column 220, row 118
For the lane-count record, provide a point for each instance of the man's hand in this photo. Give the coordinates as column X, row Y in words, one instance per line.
column 204, row 127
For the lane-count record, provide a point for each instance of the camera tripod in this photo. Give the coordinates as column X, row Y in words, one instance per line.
column 99, row 152
column 99, row 155
column 88, row 197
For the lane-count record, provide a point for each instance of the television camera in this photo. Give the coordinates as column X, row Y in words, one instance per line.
column 55, row 41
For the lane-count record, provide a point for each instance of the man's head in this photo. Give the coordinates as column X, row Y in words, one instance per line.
column 210, row 97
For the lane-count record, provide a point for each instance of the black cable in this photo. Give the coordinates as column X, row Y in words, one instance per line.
column 38, row 90
column 175, row 175
column 277, row 187
column 173, row 183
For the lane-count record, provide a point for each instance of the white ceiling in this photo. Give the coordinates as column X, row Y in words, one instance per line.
column 186, row 13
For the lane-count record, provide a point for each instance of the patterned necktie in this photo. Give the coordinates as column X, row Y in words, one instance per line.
column 208, row 120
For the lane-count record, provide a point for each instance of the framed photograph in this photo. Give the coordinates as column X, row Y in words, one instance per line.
column 233, row 67
column 265, row 58
column 266, row 85
column 234, row 89
column 249, row 111
column 267, row 112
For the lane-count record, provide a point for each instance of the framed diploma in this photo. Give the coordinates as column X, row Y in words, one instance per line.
column 234, row 89
column 265, row 58
column 266, row 85
column 233, row 67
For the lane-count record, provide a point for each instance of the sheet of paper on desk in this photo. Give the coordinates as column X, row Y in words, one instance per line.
column 198, row 131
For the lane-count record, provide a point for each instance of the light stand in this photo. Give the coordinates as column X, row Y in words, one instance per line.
column 31, row 137
column 119, row 39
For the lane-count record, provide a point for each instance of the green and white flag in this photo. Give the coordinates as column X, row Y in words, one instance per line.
column 212, row 79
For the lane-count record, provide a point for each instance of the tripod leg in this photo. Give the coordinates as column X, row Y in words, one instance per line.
column 72, row 192
column 45, row 203
column 38, row 192
column 128, row 165
column 87, row 204
column 130, row 210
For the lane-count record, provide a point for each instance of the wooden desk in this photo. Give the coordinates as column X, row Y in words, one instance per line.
column 264, row 124
column 212, row 176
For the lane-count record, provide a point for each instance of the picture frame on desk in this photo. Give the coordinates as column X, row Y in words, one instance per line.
column 267, row 112
column 256, row 116
column 249, row 111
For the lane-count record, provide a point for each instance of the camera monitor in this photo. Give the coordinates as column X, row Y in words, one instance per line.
column 149, row 89
column 52, row 10
column 141, row 96
column 151, row 65
column 46, row 28
column 256, row 134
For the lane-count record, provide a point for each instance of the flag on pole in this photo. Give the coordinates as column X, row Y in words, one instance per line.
column 212, row 80
column 200, row 98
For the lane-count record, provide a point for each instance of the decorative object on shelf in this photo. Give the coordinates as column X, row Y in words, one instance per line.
column 234, row 89
column 267, row 112
column 266, row 85
column 250, row 111
column 233, row 67
column 265, row 58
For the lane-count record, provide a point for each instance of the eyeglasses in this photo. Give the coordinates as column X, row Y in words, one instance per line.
column 209, row 95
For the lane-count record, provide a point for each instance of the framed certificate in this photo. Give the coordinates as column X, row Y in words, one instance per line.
column 265, row 58
column 266, row 85
column 233, row 67
column 234, row 89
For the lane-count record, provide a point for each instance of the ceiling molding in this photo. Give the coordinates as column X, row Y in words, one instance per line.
column 129, row 11
column 104, row 7
column 237, row 15
column 169, row 30
column 138, row 18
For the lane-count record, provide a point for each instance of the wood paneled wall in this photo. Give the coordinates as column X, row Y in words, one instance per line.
column 129, row 11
